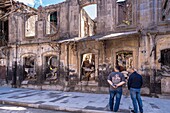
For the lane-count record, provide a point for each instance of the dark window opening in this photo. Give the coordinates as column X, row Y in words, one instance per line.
column 3, row 33
column 52, row 23
column 164, row 3
column 165, row 63
column 165, row 57
column 163, row 14
column 53, row 17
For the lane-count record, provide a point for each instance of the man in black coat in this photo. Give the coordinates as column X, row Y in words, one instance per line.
column 135, row 82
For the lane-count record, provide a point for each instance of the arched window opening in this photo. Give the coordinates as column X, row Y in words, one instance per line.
column 88, row 20
column 165, row 57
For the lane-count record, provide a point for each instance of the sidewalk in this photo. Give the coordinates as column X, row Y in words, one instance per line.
column 75, row 101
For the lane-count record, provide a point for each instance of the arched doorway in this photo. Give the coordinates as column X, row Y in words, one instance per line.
column 87, row 2
column 29, row 68
column 89, row 75
column 50, row 67
column 51, row 64
column 88, row 67
column 124, row 59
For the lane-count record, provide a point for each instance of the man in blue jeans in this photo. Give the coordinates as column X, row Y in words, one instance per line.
column 116, row 80
column 135, row 82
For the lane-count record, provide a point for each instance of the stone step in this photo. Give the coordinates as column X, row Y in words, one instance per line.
column 164, row 96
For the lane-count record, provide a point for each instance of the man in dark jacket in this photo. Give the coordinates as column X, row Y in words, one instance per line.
column 135, row 82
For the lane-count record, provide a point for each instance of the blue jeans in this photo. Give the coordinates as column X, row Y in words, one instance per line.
column 118, row 94
column 136, row 98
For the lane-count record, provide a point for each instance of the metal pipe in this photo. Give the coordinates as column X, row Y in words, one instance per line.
column 59, row 61
column 68, row 71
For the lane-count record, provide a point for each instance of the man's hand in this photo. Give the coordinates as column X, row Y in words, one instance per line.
column 114, row 86
column 120, row 84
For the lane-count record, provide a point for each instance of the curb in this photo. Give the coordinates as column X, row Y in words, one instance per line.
column 52, row 107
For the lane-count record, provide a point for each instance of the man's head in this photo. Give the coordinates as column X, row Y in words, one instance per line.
column 130, row 69
column 117, row 68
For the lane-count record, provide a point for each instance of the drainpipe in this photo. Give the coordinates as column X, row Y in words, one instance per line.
column 154, row 70
column 7, row 72
column 67, row 77
column 104, row 51
column 59, row 60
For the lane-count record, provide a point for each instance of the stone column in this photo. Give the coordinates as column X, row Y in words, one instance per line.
column 152, row 63
column 39, row 63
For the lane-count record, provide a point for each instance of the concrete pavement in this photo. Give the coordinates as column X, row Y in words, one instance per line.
column 75, row 101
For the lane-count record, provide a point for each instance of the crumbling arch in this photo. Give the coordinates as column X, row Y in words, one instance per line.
column 54, row 53
column 84, row 3
column 88, row 24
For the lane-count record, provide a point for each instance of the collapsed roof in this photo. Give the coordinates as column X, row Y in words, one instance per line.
column 5, row 4
column 9, row 6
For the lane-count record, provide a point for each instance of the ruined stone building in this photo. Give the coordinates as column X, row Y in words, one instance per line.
column 61, row 47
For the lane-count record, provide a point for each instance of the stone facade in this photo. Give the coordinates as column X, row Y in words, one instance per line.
column 47, row 47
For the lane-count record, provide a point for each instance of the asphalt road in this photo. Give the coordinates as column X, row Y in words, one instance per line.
column 17, row 109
